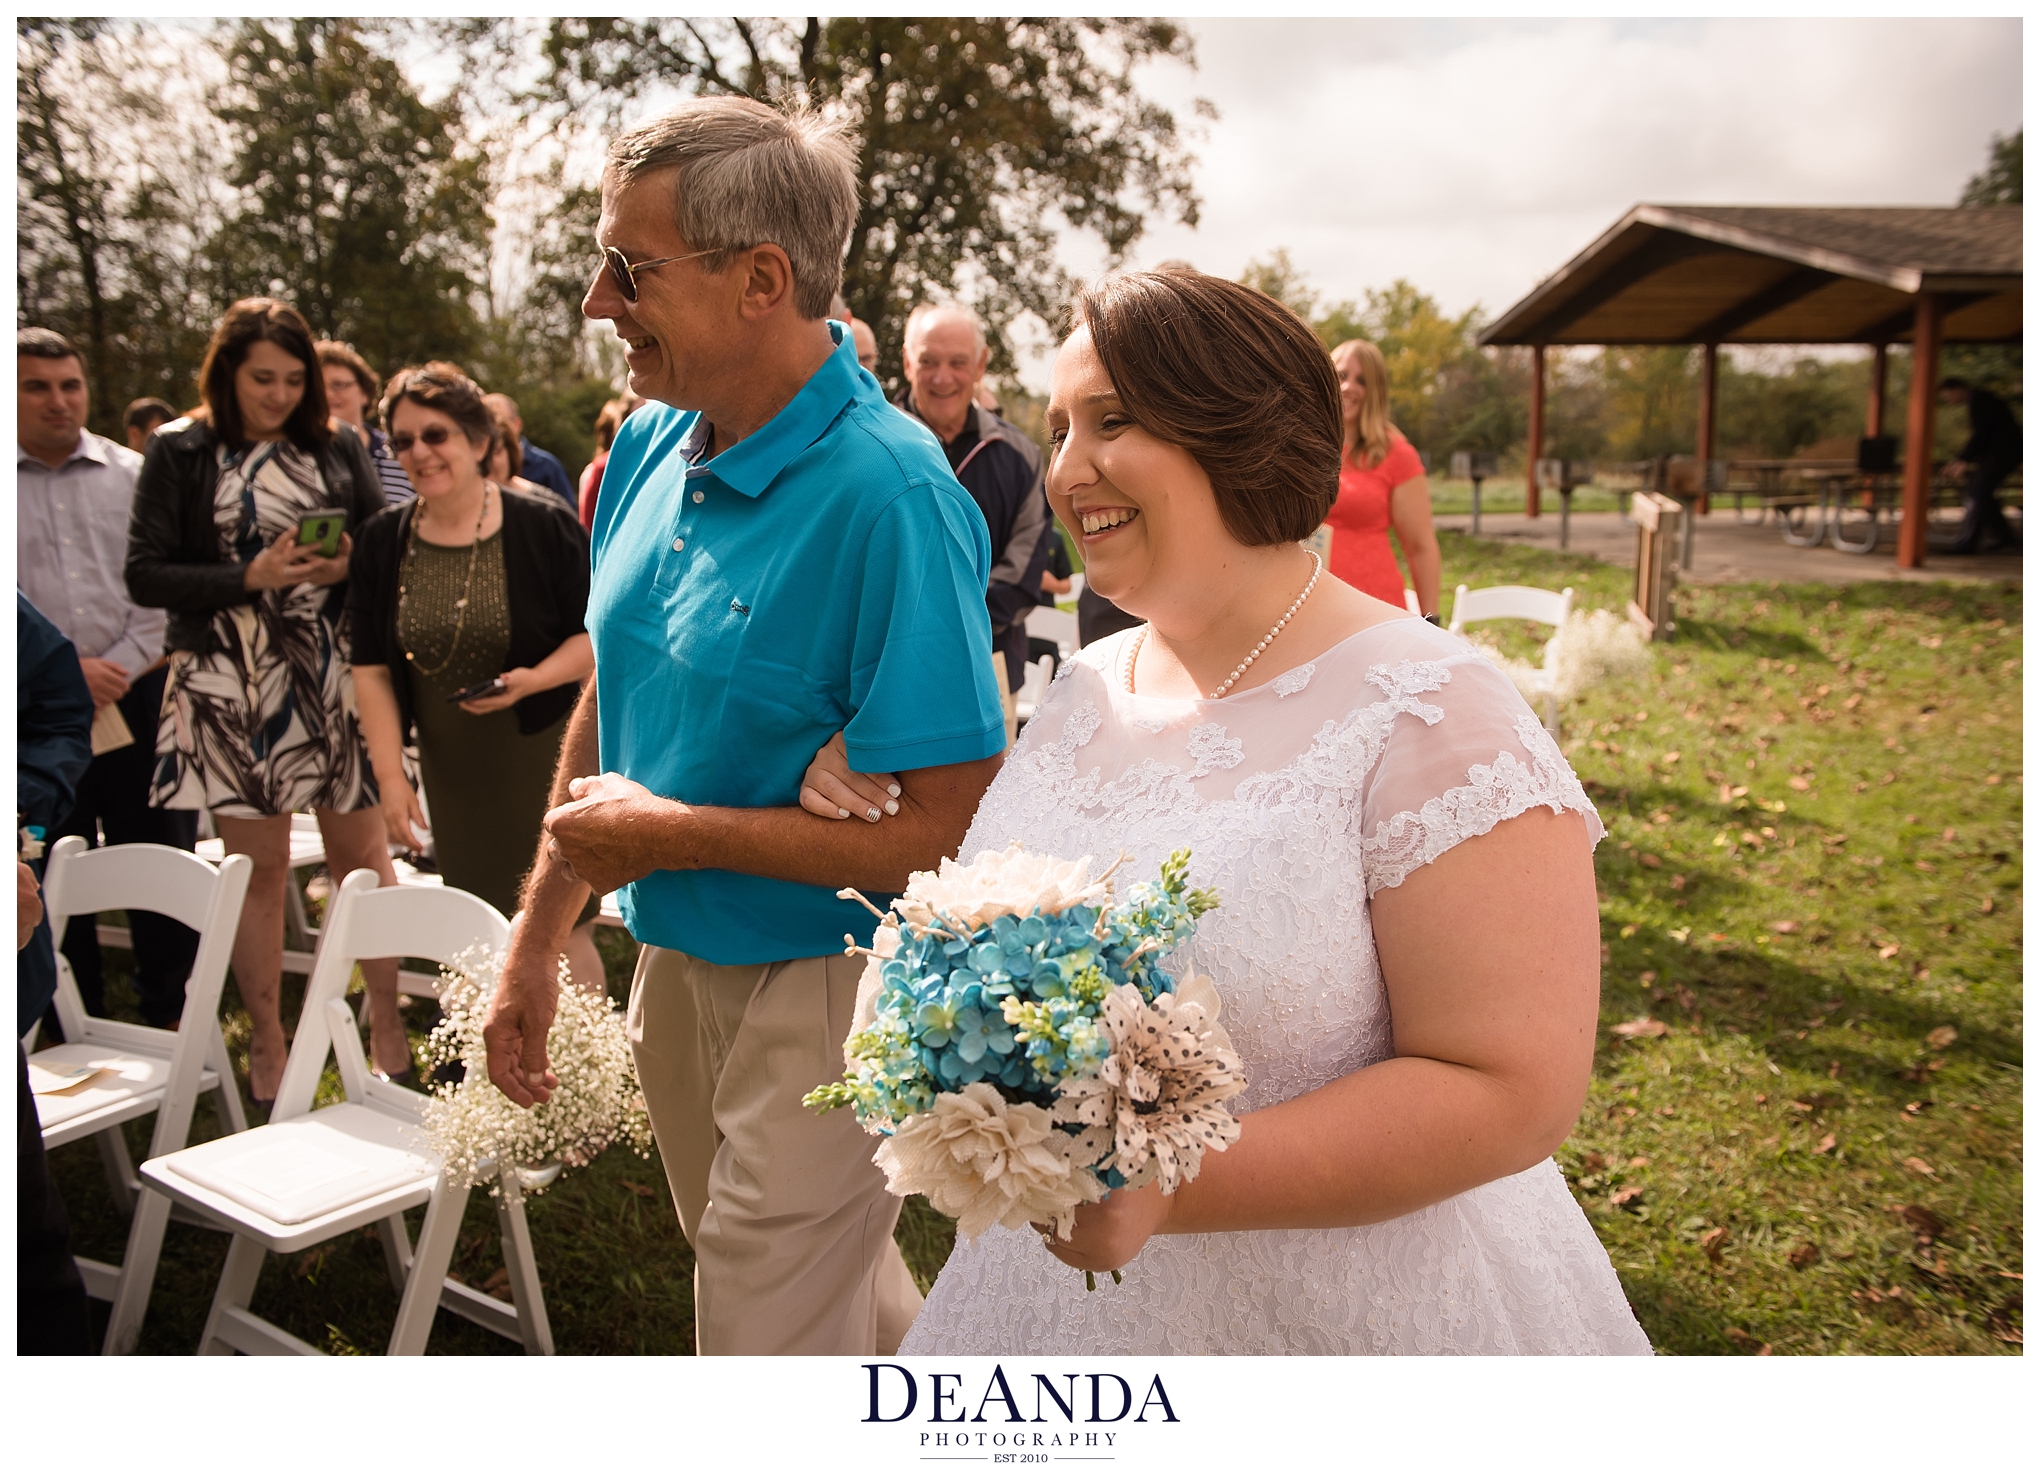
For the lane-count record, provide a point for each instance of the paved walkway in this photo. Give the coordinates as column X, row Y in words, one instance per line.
column 1725, row 551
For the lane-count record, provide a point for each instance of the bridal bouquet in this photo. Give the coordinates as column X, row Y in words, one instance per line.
column 474, row 1127
column 1019, row 1047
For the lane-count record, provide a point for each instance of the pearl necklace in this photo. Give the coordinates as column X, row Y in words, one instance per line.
column 1133, row 652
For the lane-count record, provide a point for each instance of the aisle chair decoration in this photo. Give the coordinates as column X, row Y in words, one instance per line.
column 471, row 1125
column 1022, row 1048
column 1587, row 649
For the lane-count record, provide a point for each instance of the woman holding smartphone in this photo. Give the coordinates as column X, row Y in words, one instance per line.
column 241, row 529
column 467, row 611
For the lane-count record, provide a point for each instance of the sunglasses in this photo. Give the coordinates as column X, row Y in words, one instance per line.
column 433, row 435
column 624, row 273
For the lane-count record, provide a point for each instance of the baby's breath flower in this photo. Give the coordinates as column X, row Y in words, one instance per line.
column 474, row 1127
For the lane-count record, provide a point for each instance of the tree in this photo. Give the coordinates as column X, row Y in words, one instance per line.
column 364, row 207
column 977, row 137
column 113, row 192
column 2002, row 181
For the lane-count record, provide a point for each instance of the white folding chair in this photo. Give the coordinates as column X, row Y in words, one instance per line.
column 124, row 1070
column 1409, row 601
column 1513, row 601
column 314, row 1174
column 1033, row 687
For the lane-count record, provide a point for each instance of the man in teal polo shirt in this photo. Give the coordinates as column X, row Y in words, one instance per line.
column 779, row 556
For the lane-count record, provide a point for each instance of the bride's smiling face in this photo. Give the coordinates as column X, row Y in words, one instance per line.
column 1142, row 509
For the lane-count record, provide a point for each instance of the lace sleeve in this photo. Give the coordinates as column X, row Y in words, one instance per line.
column 1464, row 754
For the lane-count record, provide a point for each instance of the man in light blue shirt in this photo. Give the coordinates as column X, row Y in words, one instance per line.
column 780, row 556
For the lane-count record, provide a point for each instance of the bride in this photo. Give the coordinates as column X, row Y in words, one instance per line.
column 1408, row 949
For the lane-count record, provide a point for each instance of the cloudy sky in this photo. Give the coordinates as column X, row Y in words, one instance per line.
column 1475, row 157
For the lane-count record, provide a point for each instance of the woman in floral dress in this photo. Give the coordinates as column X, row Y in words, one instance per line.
column 258, row 714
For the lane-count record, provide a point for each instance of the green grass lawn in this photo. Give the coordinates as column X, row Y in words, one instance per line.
column 1807, row 1136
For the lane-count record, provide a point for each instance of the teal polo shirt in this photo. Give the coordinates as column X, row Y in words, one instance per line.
column 826, row 574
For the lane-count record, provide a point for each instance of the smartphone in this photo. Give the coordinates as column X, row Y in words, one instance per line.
column 476, row 692
column 323, row 529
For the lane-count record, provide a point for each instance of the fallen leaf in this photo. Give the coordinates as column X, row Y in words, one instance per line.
column 1919, row 1167
column 1640, row 1028
column 1624, row 1197
column 1639, row 1160
column 1711, row 1241
column 1798, row 784
column 1988, row 905
column 1941, row 1037
column 1887, row 952
column 1669, row 758
column 1785, row 928
column 1678, row 882
column 641, row 1189
column 1650, row 861
column 1665, row 1110
column 1827, row 1143
column 1834, row 1068
column 1593, row 1161
column 498, row 1284
column 1804, row 1256
column 1646, row 978
column 1925, row 1225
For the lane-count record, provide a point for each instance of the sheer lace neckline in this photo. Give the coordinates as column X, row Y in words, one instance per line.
column 1282, row 683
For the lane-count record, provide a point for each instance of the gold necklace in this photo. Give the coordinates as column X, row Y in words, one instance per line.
column 1133, row 654
column 460, row 605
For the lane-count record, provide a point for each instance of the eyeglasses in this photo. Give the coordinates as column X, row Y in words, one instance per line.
column 433, row 435
column 624, row 272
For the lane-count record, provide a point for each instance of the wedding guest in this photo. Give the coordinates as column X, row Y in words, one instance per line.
column 258, row 714
column 541, row 466
column 775, row 547
column 1381, row 487
column 73, row 491
column 52, row 726
column 1993, row 451
column 944, row 366
column 867, row 344
column 142, row 420
column 351, row 390
column 471, row 583
column 607, row 423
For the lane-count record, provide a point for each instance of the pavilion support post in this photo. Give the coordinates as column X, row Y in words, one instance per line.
column 1879, row 364
column 1919, row 431
column 1710, row 355
column 1530, row 507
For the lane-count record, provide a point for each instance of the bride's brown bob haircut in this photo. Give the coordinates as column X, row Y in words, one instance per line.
column 1235, row 378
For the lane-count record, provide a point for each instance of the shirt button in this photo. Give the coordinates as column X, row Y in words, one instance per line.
column 679, row 545
column 701, row 496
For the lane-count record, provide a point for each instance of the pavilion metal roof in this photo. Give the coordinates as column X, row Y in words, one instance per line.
column 1723, row 274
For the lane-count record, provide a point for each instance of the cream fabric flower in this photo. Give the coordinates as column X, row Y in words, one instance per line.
column 1157, row 1103
column 981, row 1161
column 992, row 885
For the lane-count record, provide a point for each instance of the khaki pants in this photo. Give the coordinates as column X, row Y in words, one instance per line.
column 790, row 1221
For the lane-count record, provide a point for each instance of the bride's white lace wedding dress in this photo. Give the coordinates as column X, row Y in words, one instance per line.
column 1300, row 799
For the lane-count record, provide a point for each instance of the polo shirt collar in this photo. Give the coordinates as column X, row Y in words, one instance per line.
column 752, row 464
column 88, row 448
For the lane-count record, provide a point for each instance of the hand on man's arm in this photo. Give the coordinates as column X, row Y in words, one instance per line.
column 616, row 831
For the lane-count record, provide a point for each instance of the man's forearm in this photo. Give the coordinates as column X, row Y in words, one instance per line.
column 936, row 807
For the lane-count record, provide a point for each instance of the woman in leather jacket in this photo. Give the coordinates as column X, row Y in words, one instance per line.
column 258, row 713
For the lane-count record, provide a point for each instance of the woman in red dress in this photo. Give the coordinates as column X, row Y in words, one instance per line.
column 1381, row 486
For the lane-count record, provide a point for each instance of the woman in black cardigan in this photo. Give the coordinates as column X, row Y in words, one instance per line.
column 258, row 716
column 472, row 590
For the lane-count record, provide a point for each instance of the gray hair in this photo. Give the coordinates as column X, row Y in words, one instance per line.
column 753, row 175
column 919, row 320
